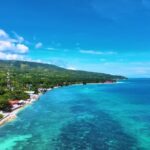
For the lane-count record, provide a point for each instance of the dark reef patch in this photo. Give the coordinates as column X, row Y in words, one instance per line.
column 99, row 132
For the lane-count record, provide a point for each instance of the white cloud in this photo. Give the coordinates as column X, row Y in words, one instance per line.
column 38, row 45
column 22, row 48
column 6, row 56
column 91, row 52
column 12, row 48
column 5, row 45
column 3, row 34
column 94, row 52
column 71, row 68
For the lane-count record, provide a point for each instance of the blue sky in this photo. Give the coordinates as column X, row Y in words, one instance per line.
column 111, row 36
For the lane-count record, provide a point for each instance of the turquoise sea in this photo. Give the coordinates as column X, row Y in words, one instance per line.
column 84, row 117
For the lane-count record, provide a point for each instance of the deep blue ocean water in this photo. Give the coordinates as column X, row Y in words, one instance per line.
column 84, row 117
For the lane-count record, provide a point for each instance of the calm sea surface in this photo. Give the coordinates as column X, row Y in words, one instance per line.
column 90, row 117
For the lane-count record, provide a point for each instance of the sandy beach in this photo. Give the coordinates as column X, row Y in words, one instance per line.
column 12, row 115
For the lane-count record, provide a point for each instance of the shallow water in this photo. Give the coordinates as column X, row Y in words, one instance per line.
column 90, row 117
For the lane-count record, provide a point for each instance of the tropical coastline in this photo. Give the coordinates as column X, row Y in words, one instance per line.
column 22, row 82
column 10, row 116
column 75, row 75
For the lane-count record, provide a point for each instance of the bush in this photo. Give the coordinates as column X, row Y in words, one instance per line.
column 5, row 105
column 1, row 116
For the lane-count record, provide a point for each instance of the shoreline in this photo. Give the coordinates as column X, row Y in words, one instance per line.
column 10, row 116
column 13, row 115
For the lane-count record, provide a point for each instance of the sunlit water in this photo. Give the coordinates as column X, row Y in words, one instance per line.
column 90, row 117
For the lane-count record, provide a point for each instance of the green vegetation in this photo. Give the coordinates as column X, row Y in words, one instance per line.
column 5, row 105
column 1, row 116
column 19, row 76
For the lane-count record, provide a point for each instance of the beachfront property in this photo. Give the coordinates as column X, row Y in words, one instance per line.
column 16, row 105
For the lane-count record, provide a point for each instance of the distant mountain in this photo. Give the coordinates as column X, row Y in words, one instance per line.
column 55, row 71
